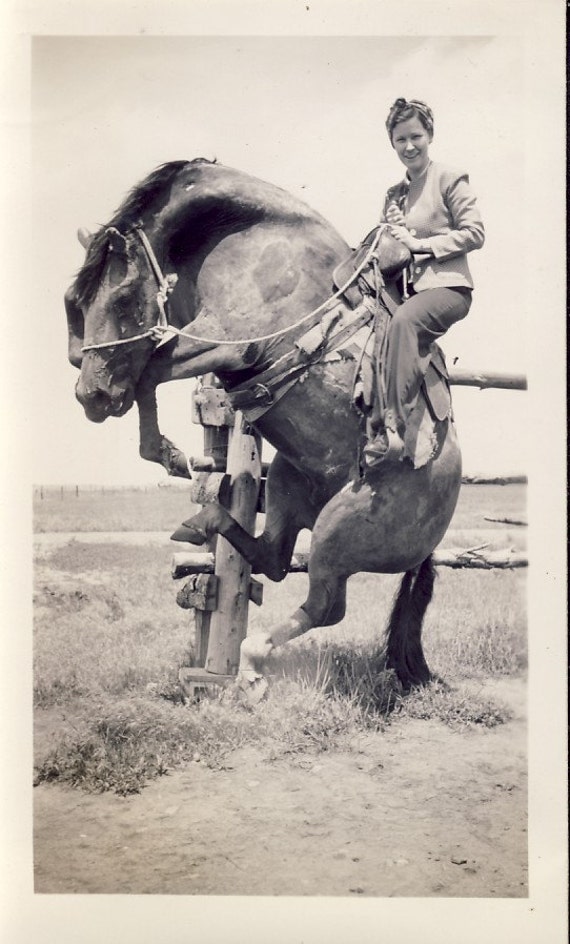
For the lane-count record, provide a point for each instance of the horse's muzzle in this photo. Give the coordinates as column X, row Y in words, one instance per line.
column 99, row 403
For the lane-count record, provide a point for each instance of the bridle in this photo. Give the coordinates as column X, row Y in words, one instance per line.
column 162, row 331
column 165, row 284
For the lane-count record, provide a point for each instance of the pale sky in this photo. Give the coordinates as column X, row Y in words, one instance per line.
column 306, row 113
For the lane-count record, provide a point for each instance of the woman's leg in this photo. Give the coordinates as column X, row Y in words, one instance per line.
column 418, row 322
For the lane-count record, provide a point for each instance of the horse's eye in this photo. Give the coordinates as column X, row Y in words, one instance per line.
column 117, row 268
column 122, row 303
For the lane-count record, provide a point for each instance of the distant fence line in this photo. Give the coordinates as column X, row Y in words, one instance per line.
column 62, row 491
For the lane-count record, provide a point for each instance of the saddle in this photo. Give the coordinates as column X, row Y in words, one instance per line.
column 371, row 300
column 432, row 408
column 366, row 283
column 433, row 405
column 434, row 402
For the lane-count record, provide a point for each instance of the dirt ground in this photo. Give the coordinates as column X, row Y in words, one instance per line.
column 417, row 810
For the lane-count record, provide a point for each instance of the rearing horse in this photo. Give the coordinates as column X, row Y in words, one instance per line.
column 226, row 267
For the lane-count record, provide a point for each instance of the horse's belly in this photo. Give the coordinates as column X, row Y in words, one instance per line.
column 315, row 426
column 392, row 523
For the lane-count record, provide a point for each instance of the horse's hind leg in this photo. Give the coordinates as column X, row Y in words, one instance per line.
column 290, row 508
column 325, row 606
column 404, row 652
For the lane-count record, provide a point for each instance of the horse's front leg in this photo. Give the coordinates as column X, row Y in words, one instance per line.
column 153, row 446
column 289, row 510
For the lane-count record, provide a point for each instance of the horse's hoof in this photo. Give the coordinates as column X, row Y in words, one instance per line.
column 190, row 535
column 253, row 687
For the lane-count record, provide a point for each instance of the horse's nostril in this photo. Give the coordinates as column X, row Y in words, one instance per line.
column 99, row 403
column 96, row 403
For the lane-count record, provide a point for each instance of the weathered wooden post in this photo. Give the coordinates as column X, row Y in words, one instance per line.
column 229, row 472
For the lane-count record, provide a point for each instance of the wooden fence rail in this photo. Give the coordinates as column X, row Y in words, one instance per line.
column 485, row 379
column 185, row 563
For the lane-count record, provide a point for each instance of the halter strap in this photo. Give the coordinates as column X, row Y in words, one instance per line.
column 165, row 284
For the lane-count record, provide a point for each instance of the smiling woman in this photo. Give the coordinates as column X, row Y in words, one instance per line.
column 434, row 214
column 411, row 136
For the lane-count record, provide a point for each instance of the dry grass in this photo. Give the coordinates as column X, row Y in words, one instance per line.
column 120, row 743
column 452, row 705
column 476, row 501
column 105, row 621
column 109, row 641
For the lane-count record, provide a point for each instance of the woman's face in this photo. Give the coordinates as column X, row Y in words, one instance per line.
column 411, row 142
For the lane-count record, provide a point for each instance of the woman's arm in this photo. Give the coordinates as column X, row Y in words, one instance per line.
column 458, row 216
column 467, row 230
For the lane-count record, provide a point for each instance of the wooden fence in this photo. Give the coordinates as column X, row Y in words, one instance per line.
column 220, row 586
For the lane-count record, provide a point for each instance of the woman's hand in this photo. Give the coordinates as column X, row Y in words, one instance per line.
column 395, row 216
column 407, row 238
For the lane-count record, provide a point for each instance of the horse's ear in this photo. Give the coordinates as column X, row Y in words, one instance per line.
column 84, row 237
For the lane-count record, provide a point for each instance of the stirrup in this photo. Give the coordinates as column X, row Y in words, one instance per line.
column 387, row 446
column 396, row 445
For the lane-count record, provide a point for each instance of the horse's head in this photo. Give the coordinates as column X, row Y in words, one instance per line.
column 250, row 259
column 115, row 299
column 110, row 309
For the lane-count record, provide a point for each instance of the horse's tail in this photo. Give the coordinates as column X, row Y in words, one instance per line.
column 404, row 651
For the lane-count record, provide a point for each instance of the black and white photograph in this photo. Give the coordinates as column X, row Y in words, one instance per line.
column 286, row 337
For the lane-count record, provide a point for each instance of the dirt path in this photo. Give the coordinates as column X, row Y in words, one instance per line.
column 418, row 810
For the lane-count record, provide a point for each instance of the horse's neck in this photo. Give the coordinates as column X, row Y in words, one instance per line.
column 260, row 280
column 249, row 282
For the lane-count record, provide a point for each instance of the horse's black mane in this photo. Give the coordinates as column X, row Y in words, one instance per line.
column 135, row 203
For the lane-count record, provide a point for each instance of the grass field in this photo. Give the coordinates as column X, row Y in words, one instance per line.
column 162, row 509
column 118, row 509
column 109, row 640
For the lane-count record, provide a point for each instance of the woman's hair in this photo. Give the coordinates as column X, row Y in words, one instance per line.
column 401, row 110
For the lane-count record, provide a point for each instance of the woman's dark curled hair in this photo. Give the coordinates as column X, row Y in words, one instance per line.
column 402, row 110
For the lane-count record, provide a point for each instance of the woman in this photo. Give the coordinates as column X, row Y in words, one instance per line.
column 434, row 213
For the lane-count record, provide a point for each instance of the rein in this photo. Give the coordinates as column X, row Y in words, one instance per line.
column 162, row 331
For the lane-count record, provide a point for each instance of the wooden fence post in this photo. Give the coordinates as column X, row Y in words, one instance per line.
column 228, row 623
column 230, row 471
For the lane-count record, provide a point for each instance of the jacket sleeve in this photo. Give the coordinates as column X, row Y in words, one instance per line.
column 466, row 230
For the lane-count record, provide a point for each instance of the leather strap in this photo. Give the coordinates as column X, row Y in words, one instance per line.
column 261, row 389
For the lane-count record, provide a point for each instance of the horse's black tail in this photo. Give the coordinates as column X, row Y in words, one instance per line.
column 404, row 651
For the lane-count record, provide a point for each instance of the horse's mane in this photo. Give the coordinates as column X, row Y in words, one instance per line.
column 138, row 200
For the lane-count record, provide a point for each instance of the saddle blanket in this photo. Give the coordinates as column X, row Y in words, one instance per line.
column 433, row 406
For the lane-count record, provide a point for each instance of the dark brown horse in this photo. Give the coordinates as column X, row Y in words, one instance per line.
column 243, row 272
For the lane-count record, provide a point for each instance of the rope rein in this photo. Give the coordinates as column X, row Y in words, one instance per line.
column 163, row 332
